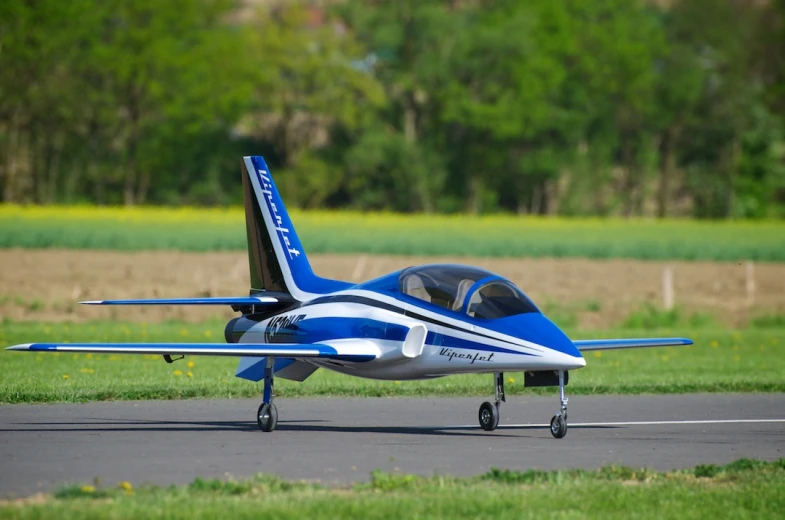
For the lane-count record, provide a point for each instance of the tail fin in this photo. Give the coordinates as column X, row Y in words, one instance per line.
column 275, row 254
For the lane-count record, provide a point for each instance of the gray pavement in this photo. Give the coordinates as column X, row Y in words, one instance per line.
column 43, row 447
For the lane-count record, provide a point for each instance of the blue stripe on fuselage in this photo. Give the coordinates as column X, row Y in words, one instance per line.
column 316, row 330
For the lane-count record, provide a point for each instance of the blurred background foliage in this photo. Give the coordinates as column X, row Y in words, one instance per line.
column 571, row 107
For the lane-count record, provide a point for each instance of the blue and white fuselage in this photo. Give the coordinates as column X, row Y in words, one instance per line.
column 407, row 341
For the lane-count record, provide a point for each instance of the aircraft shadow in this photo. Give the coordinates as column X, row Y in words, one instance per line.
column 464, row 431
column 130, row 425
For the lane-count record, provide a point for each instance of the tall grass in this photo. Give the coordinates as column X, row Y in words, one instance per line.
column 200, row 229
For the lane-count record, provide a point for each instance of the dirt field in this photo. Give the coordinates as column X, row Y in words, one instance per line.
column 44, row 285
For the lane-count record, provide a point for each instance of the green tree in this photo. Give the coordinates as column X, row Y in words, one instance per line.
column 411, row 43
column 611, row 86
column 104, row 89
column 154, row 60
column 39, row 111
column 724, row 126
column 505, row 77
column 310, row 78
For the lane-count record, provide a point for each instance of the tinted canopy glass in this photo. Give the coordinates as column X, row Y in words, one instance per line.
column 499, row 299
column 443, row 285
column 458, row 287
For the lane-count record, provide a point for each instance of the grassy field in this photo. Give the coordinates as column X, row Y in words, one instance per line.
column 720, row 361
column 743, row 489
column 200, row 229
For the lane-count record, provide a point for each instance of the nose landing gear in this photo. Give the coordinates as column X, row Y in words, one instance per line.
column 489, row 412
column 559, row 421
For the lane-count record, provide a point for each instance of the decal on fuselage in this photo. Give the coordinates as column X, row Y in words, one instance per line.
column 282, row 326
column 450, row 353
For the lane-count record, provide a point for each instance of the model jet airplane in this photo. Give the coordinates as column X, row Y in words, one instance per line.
column 422, row 322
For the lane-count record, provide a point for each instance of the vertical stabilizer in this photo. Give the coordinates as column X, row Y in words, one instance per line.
column 276, row 256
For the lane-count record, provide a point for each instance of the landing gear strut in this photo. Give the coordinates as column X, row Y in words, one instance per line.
column 489, row 412
column 559, row 421
column 267, row 415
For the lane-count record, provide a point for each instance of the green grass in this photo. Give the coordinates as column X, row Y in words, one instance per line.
column 743, row 489
column 720, row 361
column 650, row 316
column 200, row 229
column 768, row 321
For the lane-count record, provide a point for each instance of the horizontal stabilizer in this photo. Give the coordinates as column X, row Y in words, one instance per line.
column 357, row 351
column 610, row 344
column 229, row 300
column 252, row 369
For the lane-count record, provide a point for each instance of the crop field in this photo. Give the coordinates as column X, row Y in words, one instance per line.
column 720, row 361
column 741, row 489
column 200, row 229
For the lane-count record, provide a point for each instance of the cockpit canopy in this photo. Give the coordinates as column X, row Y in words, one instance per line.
column 469, row 290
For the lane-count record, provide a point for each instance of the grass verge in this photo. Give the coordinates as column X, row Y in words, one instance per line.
column 206, row 229
column 720, row 361
column 742, row 489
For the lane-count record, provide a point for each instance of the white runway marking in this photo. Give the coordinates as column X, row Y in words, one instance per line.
column 639, row 423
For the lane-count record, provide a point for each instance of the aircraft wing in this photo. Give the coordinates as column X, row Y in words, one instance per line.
column 586, row 345
column 230, row 300
column 357, row 351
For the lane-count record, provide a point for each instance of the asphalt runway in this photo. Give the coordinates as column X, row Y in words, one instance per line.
column 43, row 447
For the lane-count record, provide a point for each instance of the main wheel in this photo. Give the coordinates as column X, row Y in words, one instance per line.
column 489, row 416
column 558, row 426
column 267, row 417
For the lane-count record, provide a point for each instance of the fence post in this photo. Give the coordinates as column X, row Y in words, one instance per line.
column 359, row 268
column 750, row 268
column 667, row 288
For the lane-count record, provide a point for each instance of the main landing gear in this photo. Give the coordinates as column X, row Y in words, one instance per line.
column 489, row 412
column 267, row 415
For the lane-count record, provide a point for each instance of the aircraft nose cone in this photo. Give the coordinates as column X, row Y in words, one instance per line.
column 537, row 328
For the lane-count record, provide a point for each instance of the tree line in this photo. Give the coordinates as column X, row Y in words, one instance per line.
column 572, row 107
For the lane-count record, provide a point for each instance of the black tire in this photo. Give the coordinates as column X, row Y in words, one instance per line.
column 267, row 417
column 489, row 416
column 558, row 426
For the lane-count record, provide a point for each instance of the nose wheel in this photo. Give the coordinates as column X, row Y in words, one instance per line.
column 267, row 414
column 559, row 421
column 489, row 412
column 558, row 426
